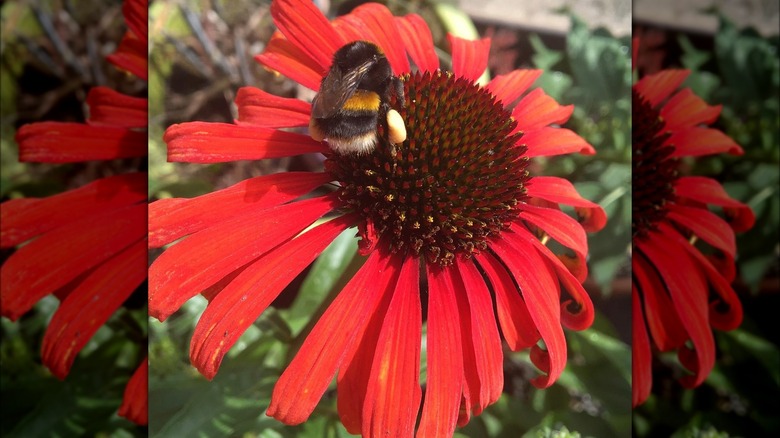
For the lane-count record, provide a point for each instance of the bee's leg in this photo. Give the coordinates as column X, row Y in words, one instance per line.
column 398, row 88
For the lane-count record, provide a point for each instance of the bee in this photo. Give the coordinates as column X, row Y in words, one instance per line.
column 354, row 99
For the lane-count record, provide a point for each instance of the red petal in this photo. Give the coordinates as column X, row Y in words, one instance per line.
column 25, row 218
column 203, row 142
column 547, row 142
column 136, row 13
column 581, row 316
column 561, row 191
column 641, row 359
column 112, row 108
column 445, row 363
column 59, row 256
column 376, row 24
column 132, row 55
column 726, row 309
column 685, row 110
column 516, row 324
column 509, row 87
column 697, row 142
column 708, row 191
column 393, row 393
column 688, row 290
column 258, row 108
column 90, row 305
column 537, row 110
column 417, row 39
column 241, row 302
column 705, row 225
column 665, row 327
column 469, row 58
column 538, row 287
column 309, row 374
column 215, row 252
column 658, row 86
column 58, row 142
column 563, row 229
column 482, row 355
column 304, row 25
column 135, row 403
column 356, row 368
column 284, row 57
column 173, row 218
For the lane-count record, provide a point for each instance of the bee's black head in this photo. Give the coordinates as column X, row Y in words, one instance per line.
column 356, row 53
column 368, row 58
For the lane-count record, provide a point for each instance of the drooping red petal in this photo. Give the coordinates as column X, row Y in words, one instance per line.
column 482, row 356
column 665, row 327
column 726, row 309
column 132, row 55
column 217, row 251
column 393, row 393
column 355, row 370
column 659, row 86
column 284, row 57
column 561, row 227
column 112, row 108
column 204, row 142
column 22, row 219
column 417, row 39
column 577, row 315
column 59, row 256
column 561, row 191
column 90, row 305
column 538, row 287
column 697, row 142
column 304, row 25
column 375, row 23
column 469, row 58
column 307, row 377
column 688, row 290
column 516, row 324
column 537, row 110
column 509, row 87
column 548, row 142
column 708, row 191
column 641, row 358
column 245, row 298
column 135, row 402
column 265, row 110
column 685, row 109
column 445, row 361
column 173, row 218
column 60, row 142
column 705, row 225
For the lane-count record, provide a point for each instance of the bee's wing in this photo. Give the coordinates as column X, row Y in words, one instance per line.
column 336, row 88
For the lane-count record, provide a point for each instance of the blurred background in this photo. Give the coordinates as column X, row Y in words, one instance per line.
column 202, row 52
column 731, row 49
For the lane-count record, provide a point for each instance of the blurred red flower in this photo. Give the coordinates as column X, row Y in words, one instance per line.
column 86, row 246
column 680, row 293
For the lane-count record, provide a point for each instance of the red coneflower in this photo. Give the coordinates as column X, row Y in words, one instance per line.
column 86, row 246
column 453, row 202
column 683, row 254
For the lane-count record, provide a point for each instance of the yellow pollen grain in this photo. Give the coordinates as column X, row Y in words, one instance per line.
column 416, row 225
column 389, row 197
column 429, row 219
column 362, row 100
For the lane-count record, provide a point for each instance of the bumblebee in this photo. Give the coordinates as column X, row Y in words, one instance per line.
column 354, row 99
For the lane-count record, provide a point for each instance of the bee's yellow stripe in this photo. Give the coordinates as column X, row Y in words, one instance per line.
column 362, row 100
